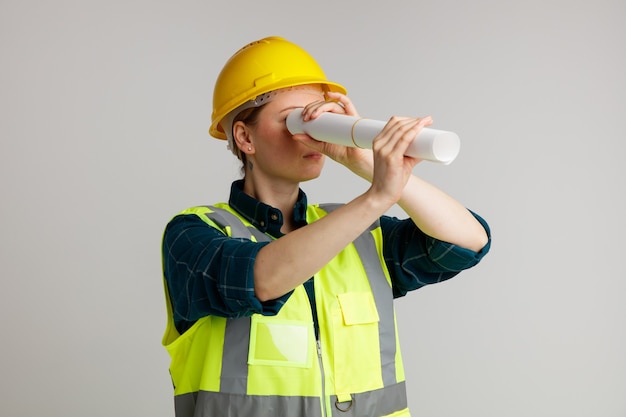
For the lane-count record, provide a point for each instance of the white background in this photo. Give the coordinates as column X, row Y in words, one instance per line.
column 105, row 107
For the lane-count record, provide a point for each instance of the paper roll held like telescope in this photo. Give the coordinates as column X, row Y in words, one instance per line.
column 431, row 144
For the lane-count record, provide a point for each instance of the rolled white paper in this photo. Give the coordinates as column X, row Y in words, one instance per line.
column 431, row 144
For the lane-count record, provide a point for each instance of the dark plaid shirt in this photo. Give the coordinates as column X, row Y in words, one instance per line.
column 208, row 273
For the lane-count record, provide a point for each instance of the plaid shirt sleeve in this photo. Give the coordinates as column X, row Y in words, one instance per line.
column 415, row 259
column 209, row 273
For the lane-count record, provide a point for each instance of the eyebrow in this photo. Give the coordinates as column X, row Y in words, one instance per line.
column 290, row 108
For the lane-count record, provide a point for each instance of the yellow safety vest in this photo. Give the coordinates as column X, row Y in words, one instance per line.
column 269, row 366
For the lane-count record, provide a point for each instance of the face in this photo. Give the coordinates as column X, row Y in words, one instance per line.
column 277, row 155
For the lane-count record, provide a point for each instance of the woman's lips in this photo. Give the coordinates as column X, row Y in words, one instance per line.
column 313, row 155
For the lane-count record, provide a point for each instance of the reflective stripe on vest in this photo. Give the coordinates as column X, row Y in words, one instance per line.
column 233, row 393
column 376, row 403
column 225, row 218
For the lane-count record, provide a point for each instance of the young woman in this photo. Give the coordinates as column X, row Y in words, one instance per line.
column 281, row 308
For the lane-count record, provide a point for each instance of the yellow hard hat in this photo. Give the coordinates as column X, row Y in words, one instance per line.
column 259, row 67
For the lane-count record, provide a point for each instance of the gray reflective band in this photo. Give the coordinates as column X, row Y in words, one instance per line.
column 383, row 297
column 225, row 218
column 376, row 403
column 219, row 404
column 380, row 402
column 185, row 404
column 234, row 375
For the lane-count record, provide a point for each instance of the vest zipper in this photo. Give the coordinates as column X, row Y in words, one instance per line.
column 321, row 365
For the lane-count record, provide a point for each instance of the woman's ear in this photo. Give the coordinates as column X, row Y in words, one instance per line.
column 243, row 137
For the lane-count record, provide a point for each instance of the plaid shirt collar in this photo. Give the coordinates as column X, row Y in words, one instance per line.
column 262, row 216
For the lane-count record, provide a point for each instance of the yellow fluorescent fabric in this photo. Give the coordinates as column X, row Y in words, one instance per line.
column 356, row 341
column 199, row 346
column 399, row 363
column 358, row 308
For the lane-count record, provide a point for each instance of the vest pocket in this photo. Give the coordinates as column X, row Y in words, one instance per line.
column 278, row 342
column 358, row 308
column 356, row 346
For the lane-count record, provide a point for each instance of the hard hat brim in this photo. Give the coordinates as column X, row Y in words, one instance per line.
column 217, row 131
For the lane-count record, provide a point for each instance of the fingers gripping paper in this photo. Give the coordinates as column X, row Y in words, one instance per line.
column 431, row 144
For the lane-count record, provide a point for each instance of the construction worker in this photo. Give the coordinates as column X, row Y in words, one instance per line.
column 277, row 307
